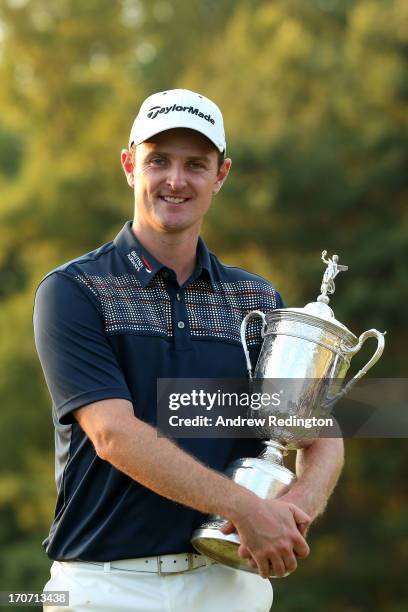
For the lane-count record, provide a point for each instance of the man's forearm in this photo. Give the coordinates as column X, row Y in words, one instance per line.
column 318, row 468
column 158, row 464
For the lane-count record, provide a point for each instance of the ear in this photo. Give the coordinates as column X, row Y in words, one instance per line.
column 128, row 166
column 222, row 175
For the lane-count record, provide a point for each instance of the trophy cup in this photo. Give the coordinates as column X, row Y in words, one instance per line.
column 311, row 347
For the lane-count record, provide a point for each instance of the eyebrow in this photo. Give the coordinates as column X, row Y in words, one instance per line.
column 164, row 153
column 203, row 157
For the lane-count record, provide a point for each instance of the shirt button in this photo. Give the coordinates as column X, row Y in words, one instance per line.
column 181, row 325
column 178, row 297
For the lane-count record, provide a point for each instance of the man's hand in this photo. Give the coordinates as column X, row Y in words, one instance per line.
column 271, row 535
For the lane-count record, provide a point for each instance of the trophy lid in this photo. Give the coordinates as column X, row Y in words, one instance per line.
column 320, row 310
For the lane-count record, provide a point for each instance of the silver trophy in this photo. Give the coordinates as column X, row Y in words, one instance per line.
column 309, row 346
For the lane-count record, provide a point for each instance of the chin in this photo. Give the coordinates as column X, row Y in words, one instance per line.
column 176, row 225
column 174, row 228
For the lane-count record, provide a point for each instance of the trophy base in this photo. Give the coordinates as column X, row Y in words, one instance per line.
column 212, row 543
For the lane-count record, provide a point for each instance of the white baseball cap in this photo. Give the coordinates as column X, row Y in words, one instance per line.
column 178, row 108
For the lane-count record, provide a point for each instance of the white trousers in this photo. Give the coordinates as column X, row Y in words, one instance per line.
column 212, row 588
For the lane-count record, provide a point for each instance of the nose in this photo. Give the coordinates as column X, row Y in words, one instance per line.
column 176, row 178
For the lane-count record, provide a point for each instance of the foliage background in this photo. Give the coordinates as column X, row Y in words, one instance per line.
column 314, row 96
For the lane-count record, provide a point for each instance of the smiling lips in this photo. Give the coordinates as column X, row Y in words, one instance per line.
column 173, row 200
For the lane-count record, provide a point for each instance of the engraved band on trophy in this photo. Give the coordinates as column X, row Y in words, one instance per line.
column 307, row 344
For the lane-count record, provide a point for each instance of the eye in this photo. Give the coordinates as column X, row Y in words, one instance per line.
column 157, row 161
column 196, row 165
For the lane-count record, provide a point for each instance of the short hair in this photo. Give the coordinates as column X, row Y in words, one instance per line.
column 221, row 155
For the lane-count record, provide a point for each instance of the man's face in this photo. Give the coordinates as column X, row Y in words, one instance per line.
column 174, row 176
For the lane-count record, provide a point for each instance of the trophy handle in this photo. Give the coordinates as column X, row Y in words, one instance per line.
column 371, row 333
column 251, row 315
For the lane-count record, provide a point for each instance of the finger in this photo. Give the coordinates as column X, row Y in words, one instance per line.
column 301, row 547
column 227, row 528
column 278, row 568
column 264, row 568
column 290, row 563
column 303, row 528
column 300, row 516
column 243, row 552
column 252, row 563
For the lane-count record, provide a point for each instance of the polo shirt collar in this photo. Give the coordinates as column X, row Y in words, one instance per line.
column 204, row 262
column 145, row 266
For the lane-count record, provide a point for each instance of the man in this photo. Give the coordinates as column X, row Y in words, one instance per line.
column 155, row 303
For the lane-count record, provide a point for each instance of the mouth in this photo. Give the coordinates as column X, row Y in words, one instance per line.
column 173, row 199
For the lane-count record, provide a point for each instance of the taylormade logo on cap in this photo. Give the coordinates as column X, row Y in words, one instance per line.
column 178, row 108
column 155, row 110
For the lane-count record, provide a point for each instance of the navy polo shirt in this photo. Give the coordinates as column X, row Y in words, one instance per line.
column 107, row 325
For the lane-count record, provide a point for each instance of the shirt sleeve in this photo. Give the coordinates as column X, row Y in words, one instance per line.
column 280, row 302
column 79, row 364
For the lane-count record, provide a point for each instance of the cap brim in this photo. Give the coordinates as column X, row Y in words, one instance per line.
column 148, row 134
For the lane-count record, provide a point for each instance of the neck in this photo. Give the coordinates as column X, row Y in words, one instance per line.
column 176, row 251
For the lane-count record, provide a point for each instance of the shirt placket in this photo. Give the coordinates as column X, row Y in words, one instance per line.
column 181, row 329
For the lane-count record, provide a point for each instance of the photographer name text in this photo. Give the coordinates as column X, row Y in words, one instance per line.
column 239, row 421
